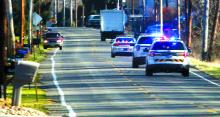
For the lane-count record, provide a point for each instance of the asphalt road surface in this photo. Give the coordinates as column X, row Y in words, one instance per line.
column 84, row 81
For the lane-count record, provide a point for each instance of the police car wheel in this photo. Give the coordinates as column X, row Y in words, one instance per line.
column 185, row 72
column 61, row 47
column 112, row 55
column 148, row 72
column 45, row 47
column 134, row 63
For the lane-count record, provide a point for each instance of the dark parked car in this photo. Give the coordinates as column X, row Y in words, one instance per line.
column 93, row 21
column 53, row 39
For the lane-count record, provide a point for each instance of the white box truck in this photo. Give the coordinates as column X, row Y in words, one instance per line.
column 112, row 23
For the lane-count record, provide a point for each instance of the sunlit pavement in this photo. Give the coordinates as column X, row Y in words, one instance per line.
column 95, row 85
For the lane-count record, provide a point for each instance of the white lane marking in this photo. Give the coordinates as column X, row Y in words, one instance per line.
column 205, row 79
column 60, row 91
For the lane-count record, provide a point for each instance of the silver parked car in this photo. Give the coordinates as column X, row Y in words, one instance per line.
column 122, row 46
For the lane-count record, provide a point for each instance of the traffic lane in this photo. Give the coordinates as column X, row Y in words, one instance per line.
column 134, row 95
column 121, row 70
column 111, row 90
column 172, row 87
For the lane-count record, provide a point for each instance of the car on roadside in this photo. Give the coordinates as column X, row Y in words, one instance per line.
column 122, row 46
column 168, row 56
column 141, row 48
column 53, row 39
column 93, row 21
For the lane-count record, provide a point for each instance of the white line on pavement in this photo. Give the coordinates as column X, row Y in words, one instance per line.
column 60, row 91
column 216, row 84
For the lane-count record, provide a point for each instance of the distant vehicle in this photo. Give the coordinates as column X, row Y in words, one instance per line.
column 167, row 56
column 93, row 21
column 112, row 23
column 141, row 48
column 53, row 39
column 122, row 46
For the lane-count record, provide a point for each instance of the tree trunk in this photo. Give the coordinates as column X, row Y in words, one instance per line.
column 11, row 41
column 3, row 33
column 205, row 31
column 188, row 12
column 214, row 32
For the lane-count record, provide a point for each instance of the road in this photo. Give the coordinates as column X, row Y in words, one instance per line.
column 84, row 81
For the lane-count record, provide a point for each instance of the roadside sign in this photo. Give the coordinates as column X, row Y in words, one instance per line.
column 36, row 19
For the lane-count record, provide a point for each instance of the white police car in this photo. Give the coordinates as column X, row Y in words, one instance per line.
column 141, row 48
column 167, row 56
column 122, row 46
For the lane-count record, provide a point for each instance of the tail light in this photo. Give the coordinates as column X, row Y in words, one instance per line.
column 151, row 53
column 59, row 41
column 138, row 47
column 115, row 44
column 185, row 54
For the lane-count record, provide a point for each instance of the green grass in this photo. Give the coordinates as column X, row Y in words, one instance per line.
column 212, row 69
column 38, row 54
column 29, row 95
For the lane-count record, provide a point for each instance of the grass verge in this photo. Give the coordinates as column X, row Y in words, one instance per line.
column 29, row 94
column 213, row 69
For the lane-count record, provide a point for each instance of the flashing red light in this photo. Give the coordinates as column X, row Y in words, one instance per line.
column 164, row 38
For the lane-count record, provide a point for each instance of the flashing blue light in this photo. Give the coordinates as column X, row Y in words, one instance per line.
column 173, row 38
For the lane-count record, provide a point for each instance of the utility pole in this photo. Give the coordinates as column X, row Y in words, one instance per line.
column 76, row 14
column 178, row 13
column 156, row 10
column 71, row 12
column 205, row 33
column 58, row 8
column 161, row 16
column 39, row 8
column 22, row 22
column 11, row 42
column 133, row 7
column 83, row 15
column 30, row 24
column 55, row 10
column 64, row 12
column 118, row 5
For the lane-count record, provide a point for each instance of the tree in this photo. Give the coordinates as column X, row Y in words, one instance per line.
column 3, row 33
column 205, row 31
column 11, row 41
column 188, row 14
column 214, row 32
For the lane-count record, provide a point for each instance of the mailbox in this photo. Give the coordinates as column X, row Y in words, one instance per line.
column 25, row 72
